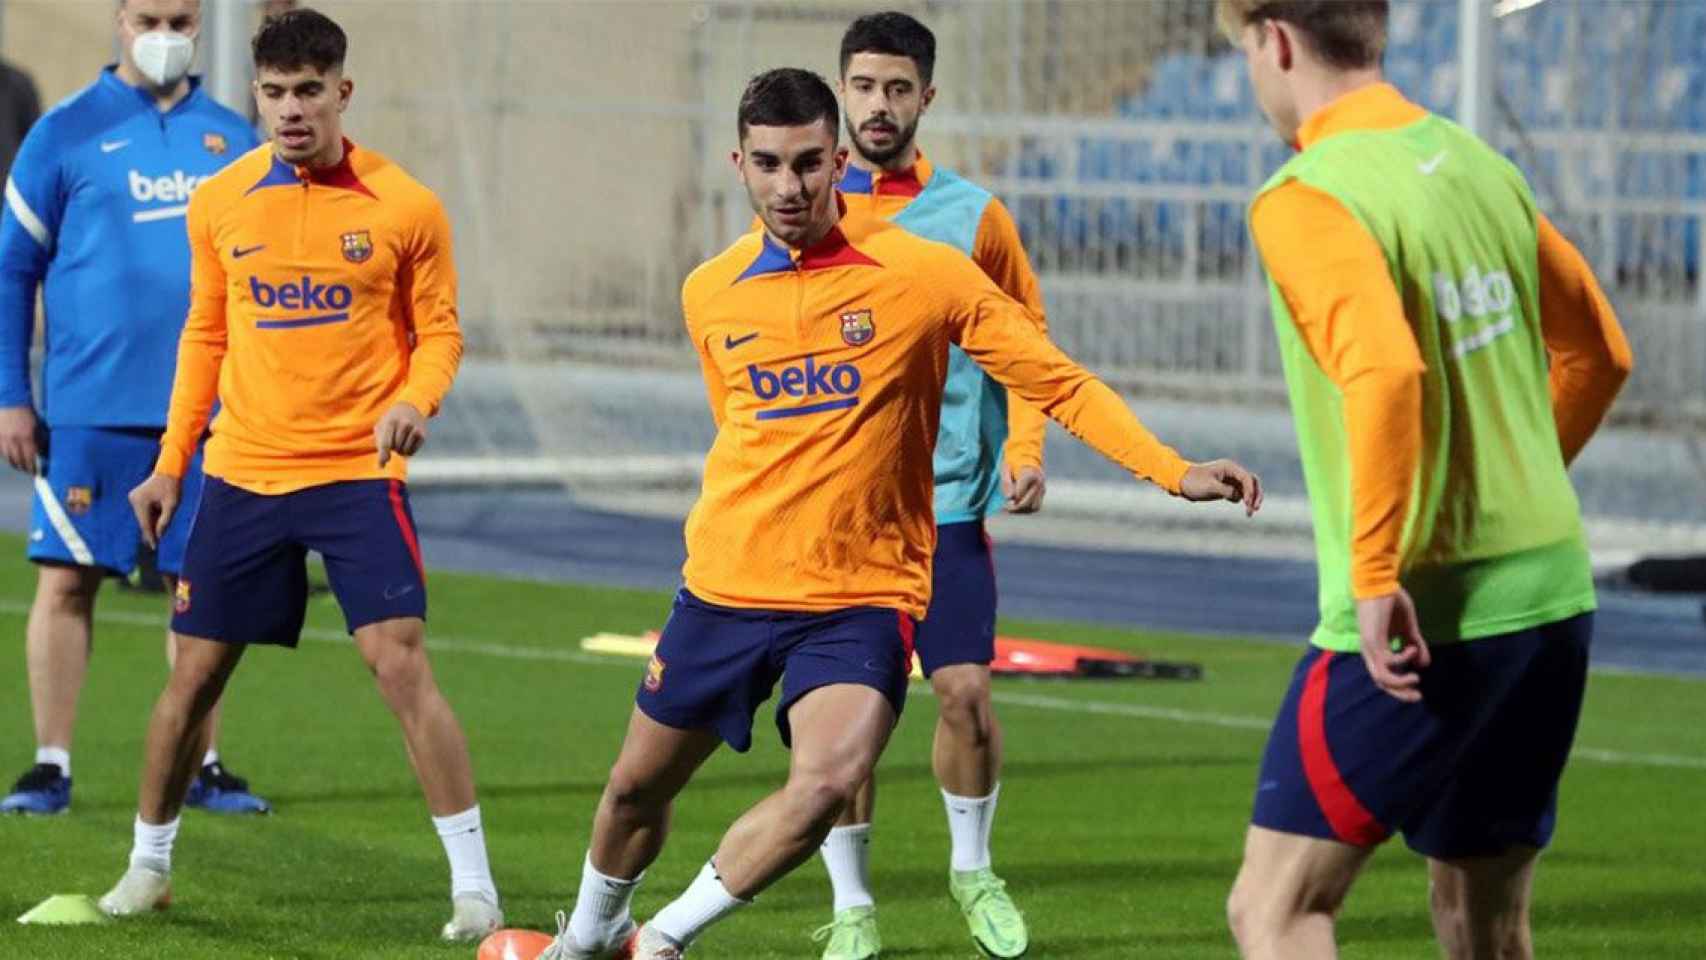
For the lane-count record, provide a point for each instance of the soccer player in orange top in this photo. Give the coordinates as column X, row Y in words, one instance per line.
column 989, row 458
column 323, row 318
column 824, row 346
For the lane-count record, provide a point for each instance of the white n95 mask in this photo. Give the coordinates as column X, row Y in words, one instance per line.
column 163, row 56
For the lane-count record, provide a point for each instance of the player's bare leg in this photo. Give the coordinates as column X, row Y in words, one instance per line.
column 1480, row 905
column 966, row 754
column 395, row 651
column 56, row 652
column 170, row 755
column 214, row 787
column 628, row 831
column 58, row 640
column 1288, row 893
column 838, row 732
column 967, row 759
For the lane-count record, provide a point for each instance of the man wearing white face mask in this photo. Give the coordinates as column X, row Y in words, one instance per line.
column 94, row 215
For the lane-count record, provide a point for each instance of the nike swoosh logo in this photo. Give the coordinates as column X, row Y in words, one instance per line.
column 729, row 343
column 238, row 253
column 108, row 146
column 392, row 593
column 1428, row 167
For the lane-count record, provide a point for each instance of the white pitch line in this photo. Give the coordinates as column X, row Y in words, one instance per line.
column 1033, row 701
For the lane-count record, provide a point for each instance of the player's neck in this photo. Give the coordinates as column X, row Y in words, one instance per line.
column 903, row 160
column 164, row 99
column 1321, row 88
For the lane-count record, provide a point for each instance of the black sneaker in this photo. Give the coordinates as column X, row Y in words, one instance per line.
column 42, row 790
column 221, row 791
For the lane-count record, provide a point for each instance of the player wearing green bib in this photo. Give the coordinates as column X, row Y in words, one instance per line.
column 1447, row 353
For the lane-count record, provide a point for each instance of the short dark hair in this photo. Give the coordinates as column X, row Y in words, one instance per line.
column 895, row 34
column 1347, row 34
column 300, row 38
column 788, row 97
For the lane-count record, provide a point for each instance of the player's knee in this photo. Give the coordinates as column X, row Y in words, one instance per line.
column 821, row 795
column 401, row 672
column 67, row 590
column 962, row 700
column 631, row 798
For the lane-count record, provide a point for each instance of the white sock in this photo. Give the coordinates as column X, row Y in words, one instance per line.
column 465, row 845
column 601, row 908
column 210, row 758
column 704, row 903
column 970, row 820
column 58, row 756
column 847, row 854
column 152, row 845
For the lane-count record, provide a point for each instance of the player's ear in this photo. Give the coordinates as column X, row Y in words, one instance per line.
column 1284, row 50
column 841, row 155
column 346, row 87
column 926, row 98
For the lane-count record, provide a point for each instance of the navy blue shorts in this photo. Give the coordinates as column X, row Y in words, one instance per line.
column 715, row 665
column 1472, row 770
column 82, row 515
column 245, row 576
column 959, row 627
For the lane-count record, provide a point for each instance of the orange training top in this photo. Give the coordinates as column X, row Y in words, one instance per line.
column 1336, row 280
column 318, row 300
column 824, row 370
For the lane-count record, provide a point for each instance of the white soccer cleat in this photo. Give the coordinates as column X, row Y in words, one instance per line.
column 472, row 918
column 565, row 947
column 138, row 891
column 649, row 944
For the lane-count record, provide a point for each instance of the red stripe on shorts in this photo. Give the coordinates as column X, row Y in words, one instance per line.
column 1345, row 813
column 408, row 528
column 907, row 628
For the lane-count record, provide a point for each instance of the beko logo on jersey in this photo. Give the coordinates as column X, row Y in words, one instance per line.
column 175, row 187
column 837, row 381
column 321, row 302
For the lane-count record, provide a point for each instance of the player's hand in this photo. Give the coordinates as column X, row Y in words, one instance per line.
column 1392, row 644
column 401, row 430
column 1023, row 489
column 155, row 500
column 1222, row 480
column 18, row 437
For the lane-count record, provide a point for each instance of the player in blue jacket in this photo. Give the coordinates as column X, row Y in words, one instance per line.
column 94, row 216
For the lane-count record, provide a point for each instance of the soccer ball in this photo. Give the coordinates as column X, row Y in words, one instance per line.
column 513, row 945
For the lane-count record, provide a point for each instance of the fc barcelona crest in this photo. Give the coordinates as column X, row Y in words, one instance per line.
column 79, row 499
column 654, row 674
column 181, row 600
column 857, row 328
column 215, row 143
column 358, row 246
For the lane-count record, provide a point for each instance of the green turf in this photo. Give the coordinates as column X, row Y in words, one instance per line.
column 1119, row 834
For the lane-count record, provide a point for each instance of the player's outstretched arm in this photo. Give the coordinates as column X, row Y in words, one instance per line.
column 1590, row 355
column 996, row 332
column 154, row 501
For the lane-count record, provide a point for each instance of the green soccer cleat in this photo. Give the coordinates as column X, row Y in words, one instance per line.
column 852, row 935
column 996, row 924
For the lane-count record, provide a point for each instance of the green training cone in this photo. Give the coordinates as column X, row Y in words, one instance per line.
column 66, row 908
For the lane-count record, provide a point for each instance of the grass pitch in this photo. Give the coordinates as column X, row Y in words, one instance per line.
column 1122, row 809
